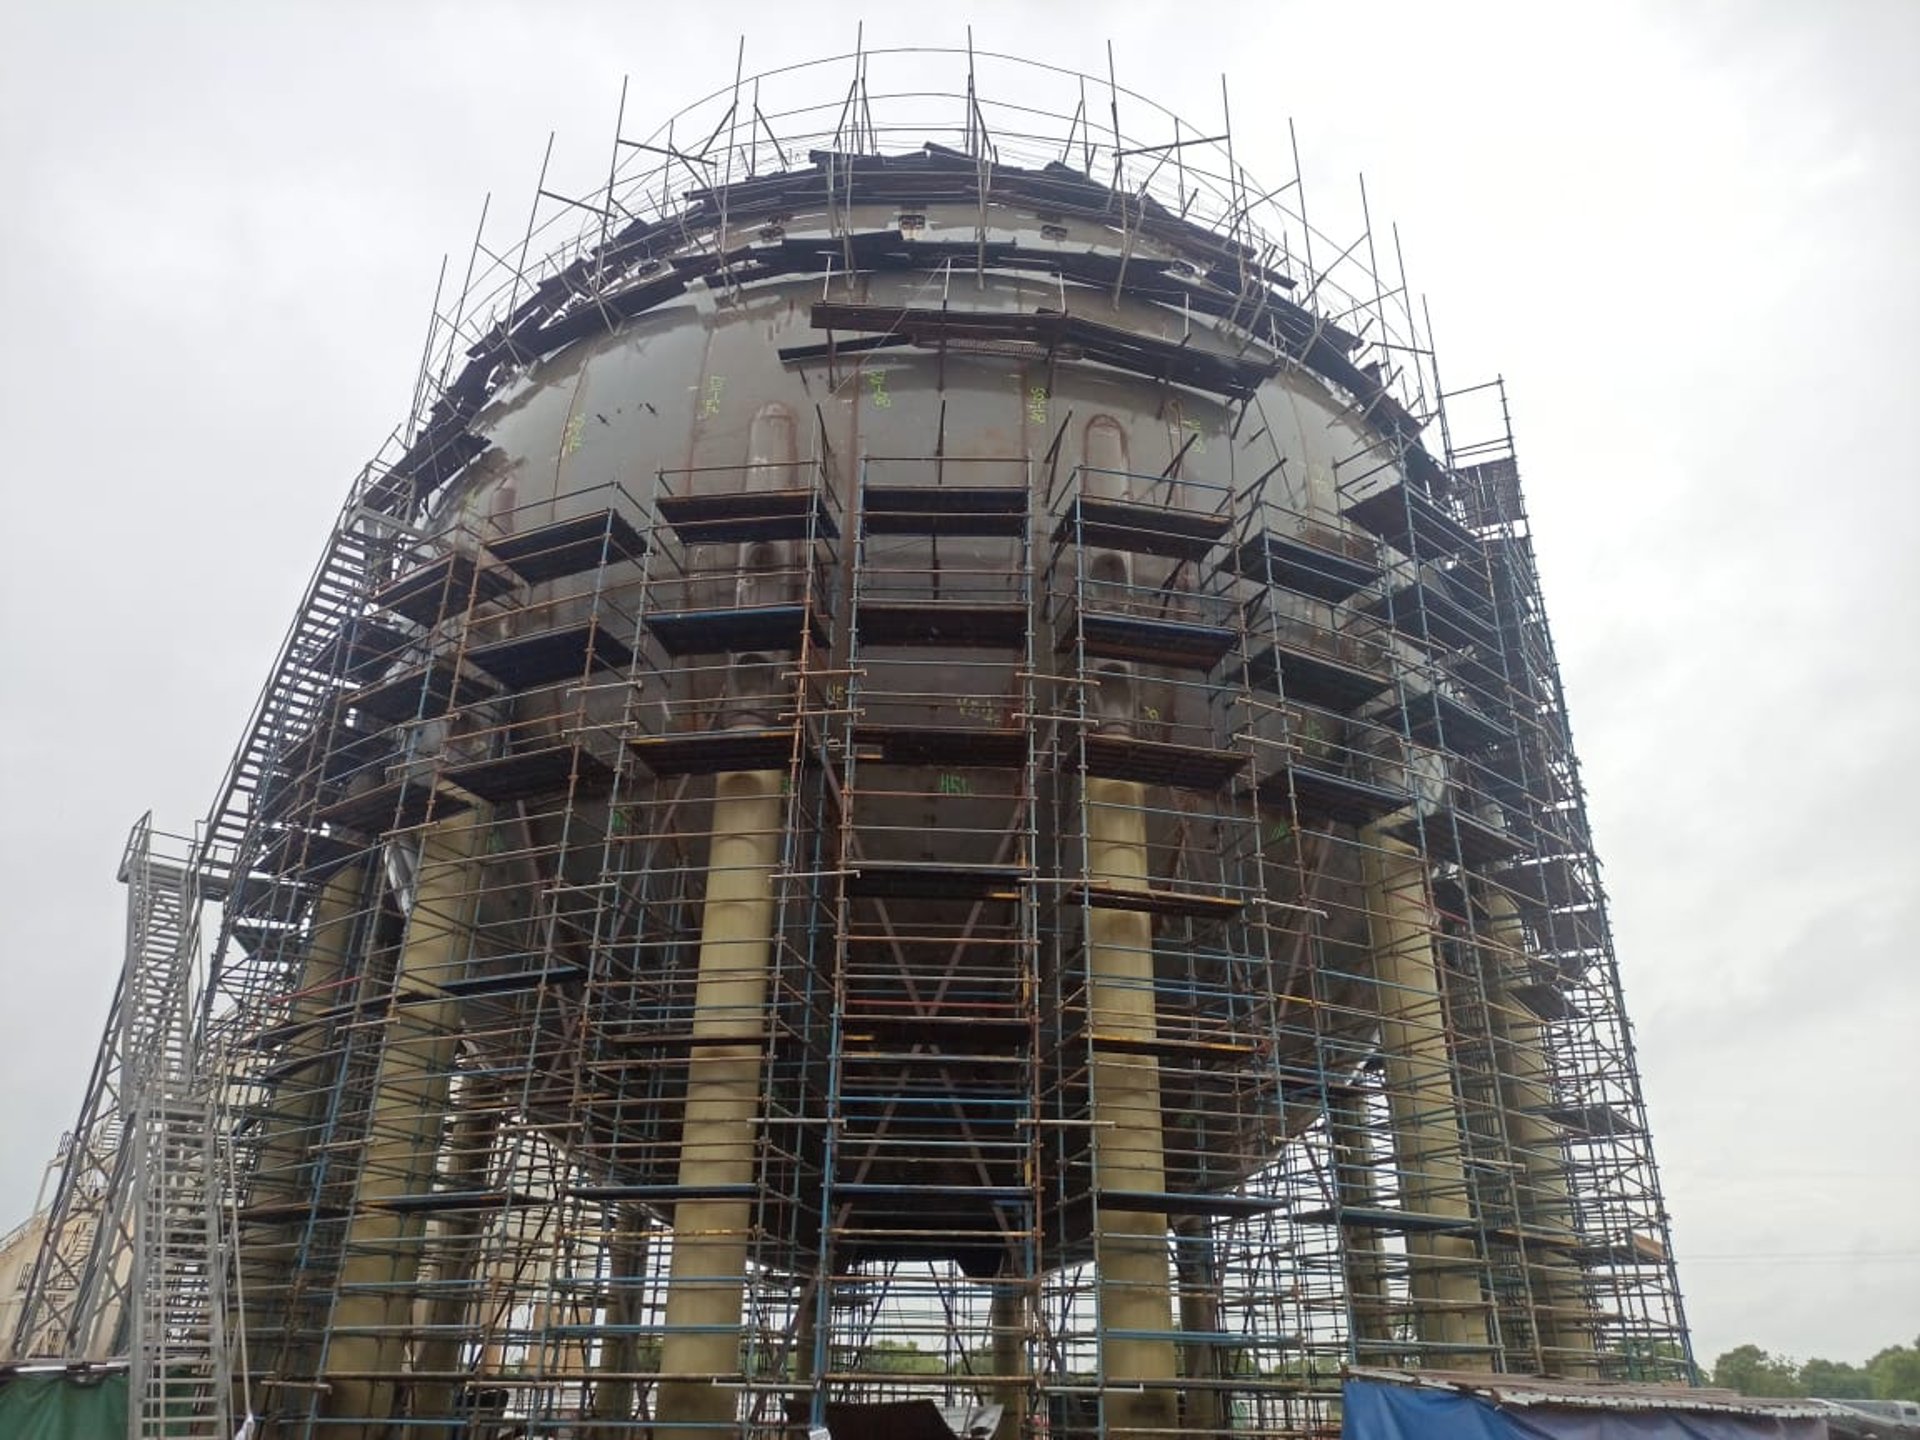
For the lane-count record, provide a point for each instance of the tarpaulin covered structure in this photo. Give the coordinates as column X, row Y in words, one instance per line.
column 63, row 1404
column 1432, row 1406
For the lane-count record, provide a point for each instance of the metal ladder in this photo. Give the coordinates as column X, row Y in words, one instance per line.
column 177, row 1386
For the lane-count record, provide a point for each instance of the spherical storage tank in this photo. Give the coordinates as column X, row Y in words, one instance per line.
column 843, row 729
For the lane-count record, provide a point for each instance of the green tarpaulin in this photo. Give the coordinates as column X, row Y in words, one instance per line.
column 63, row 1407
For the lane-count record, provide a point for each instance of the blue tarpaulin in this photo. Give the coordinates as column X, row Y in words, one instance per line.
column 1371, row 1410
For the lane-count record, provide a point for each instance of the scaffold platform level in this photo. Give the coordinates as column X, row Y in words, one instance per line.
column 748, row 516
column 1188, row 1202
column 714, row 752
column 1171, row 1048
column 775, row 629
column 1352, row 1217
column 1157, row 762
column 311, row 852
column 1157, row 900
column 444, row 1202
column 534, row 773
column 1590, row 1122
column 1483, row 671
column 569, row 547
column 1147, row 640
column 1318, row 795
column 1436, row 718
column 970, row 624
column 1407, row 519
column 1124, row 349
column 1304, row 568
column 663, row 1194
column 569, row 652
column 936, row 881
column 513, row 982
column 1295, row 672
column 941, row 1042
column 1452, row 831
column 942, row 747
column 425, row 692
column 397, row 805
column 431, row 592
column 1429, row 614
column 1162, row 530
column 334, row 750
column 1544, row 1000
column 361, row 649
column 972, row 510
column 1554, row 881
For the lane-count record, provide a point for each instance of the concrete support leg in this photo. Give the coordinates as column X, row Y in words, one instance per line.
column 1136, row 1304
column 1353, row 1178
column 806, row 1336
column 1200, row 1360
column 1007, row 1318
column 1449, row 1309
column 1562, row 1306
column 438, row 1361
column 371, row 1318
column 613, row 1390
column 707, row 1280
column 269, row 1256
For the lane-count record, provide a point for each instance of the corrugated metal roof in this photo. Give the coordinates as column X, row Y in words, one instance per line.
column 1524, row 1390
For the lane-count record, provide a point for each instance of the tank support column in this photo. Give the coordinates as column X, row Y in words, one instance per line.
column 707, row 1280
column 613, row 1390
column 269, row 1253
column 374, row 1309
column 277, row 1176
column 1007, row 1319
column 1136, row 1303
column 1449, row 1309
column 1353, row 1178
column 470, row 1156
column 1562, row 1310
column 1198, row 1266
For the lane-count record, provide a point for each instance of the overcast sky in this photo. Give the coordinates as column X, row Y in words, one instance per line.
column 1684, row 232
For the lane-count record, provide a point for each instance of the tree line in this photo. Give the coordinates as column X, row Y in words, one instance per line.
column 1892, row 1374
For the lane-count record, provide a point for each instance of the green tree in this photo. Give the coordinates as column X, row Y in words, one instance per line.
column 1896, row 1372
column 1836, row 1380
column 1752, row 1371
column 894, row 1357
column 1659, row 1360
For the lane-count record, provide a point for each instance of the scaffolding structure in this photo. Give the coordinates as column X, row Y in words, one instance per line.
column 1093, row 934
column 127, row 1266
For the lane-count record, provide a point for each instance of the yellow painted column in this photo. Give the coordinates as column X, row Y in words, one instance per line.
column 1449, row 1308
column 367, row 1354
column 1130, row 1247
column 707, row 1279
column 1199, row 1273
column 322, row 969
column 1562, row 1307
column 806, row 1335
column 1360, row 1249
column 456, row 1244
column 267, row 1244
column 613, row 1391
column 1007, row 1319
